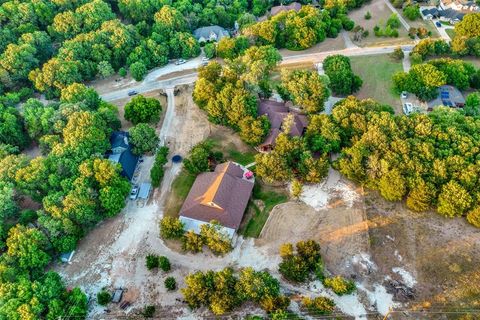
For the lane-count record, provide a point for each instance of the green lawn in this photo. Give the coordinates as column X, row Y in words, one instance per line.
column 180, row 188
column 450, row 32
column 257, row 221
column 376, row 72
column 231, row 152
column 243, row 158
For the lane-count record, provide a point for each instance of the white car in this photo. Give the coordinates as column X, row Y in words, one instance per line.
column 180, row 61
column 407, row 108
column 134, row 193
column 205, row 59
column 404, row 95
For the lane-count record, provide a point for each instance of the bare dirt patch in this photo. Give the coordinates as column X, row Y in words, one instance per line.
column 176, row 74
column 441, row 254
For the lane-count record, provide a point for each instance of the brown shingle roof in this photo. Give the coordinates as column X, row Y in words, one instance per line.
column 276, row 113
column 293, row 6
column 221, row 195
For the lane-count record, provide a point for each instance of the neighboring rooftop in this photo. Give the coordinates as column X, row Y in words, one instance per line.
column 122, row 153
column 292, row 6
column 448, row 96
column 276, row 113
column 221, row 195
column 211, row 33
column 119, row 139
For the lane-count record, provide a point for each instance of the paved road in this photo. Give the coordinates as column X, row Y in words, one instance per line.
column 442, row 32
column 150, row 83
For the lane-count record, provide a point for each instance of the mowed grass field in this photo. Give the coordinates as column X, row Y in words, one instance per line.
column 376, row 72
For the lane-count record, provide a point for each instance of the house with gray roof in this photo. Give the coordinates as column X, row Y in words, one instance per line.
column 221, row 195
column 211, row 33
column 276, row 113
column 121, row 152
column 448, row 96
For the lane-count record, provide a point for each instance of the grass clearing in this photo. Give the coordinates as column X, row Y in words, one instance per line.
column 450, row 32
column 180, row 188
column 259, row 215
column 376, row 72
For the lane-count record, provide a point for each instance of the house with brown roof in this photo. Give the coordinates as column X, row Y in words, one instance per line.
column 281, row 8
column 276, row 113
column 221, row 195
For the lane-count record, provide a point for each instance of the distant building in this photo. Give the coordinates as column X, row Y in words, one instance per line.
column 448, row 96
column 276, row 113
column 281, row 8
column 451, row 15
column 221, row 195
column 122, row 153
column 430, row 13
column 464, row 6
column 211, row 33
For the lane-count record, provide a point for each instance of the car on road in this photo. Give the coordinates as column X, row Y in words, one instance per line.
column 404, row 95
column 134, row 193
column 132, row 93
column 438, row 24
column 205, row 59
column 180, row 61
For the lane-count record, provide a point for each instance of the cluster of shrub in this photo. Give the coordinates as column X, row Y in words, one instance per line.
column 157, row 171
column 301, row 264
column 210, row 235
column 390, row 28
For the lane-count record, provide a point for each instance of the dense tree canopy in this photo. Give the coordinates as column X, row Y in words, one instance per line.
column 143, row 110
column 424, row 79
column 429, row 159
column 306, row 89
column 339, row 71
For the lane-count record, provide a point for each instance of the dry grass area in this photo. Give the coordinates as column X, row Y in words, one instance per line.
column 380, row 14
column 442, row 254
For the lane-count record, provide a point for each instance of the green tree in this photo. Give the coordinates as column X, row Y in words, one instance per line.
column 151, row 261
column 164, row 263
column 306, row 88
column 210, row 50
column 217, row 241
column 412, row 12
column 104, row 297
column 472, row 104
column 453, row 200
column 392, row 186
column 170, row 283
column 340, row 285
column 105, row 69
column 319, row 305
column 77, row 92
column 473, row 217
column 143, row 110
column 342, row 79
column 27, row 246
column 171, row 228
column 143, row 138
column 138, row 70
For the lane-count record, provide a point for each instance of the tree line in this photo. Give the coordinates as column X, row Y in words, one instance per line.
column 75, row 186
